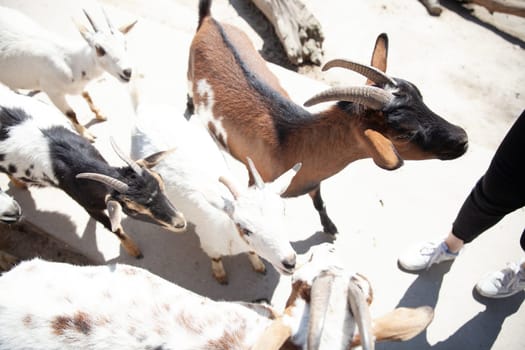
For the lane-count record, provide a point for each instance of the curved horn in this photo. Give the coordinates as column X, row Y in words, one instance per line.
column 361, row 312
column 319, row 300
column 369, row 96
column 108, row 21
column 136, row 168
column 230, row 186
column 115, row 184
column 93, row 25
column 372, row 73
column 256, row 176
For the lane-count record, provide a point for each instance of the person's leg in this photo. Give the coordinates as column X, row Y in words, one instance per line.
column 498, row 192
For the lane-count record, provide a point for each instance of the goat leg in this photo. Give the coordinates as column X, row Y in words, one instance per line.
column 127, row 242
column 218, row 270
column 328, row 226
column 257, row 264
column 92, row 107
column 60, row 101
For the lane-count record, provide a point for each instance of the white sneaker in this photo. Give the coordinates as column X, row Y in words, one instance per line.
column 502, row 283
column 425, row 255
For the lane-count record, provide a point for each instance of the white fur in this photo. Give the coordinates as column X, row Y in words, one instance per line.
column 191, row 175
column 33, row 58
column 57, row 306
column 26, row 147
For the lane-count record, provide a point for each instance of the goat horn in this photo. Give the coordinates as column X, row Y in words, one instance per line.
column 369, row 96
column 319, row 299
column 136, row 168
column 107, row 20
column 230, row 186
column 361, row 312
column 93, row 25
column 256, row 176
column 115, row 184
column 372, row 73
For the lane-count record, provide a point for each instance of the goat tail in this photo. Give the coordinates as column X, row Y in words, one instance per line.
column 204, row 11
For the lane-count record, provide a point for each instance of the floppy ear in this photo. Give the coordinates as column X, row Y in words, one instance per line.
column 382, row 151
column 115, row 213
column 126, row 28
column 401, row 324
column 280, row 185
column 154, row 159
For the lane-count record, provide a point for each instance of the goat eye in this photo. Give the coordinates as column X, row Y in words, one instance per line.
column 100, row 50
column 246, row 232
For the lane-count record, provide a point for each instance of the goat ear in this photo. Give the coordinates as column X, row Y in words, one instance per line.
column 274, row 336
column 382, row 151
column 401, row 324
column 221, row 203
column 115, row 213
column 126, row 28
column 379, row 55
column 280, row 185
column 86, row 34
column 154, row 159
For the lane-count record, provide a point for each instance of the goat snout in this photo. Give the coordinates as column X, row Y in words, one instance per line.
column 455, row 146
column 289, row 263
column 126, row 74
column 179, row 223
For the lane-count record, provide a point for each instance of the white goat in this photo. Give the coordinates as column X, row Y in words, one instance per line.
column 229, row 219
column 33, row 58
column 125, row 307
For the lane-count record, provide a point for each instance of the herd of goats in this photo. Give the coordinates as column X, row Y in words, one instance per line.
column 178, row 172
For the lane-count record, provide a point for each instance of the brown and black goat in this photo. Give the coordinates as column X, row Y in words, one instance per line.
column 251, row 115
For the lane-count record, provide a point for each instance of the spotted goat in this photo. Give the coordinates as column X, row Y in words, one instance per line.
column 251, row 114
column 38, row 147
column 33, row 58
column 125, row 307
column 228, row 218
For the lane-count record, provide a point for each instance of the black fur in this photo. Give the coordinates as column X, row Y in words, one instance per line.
column 10, row 117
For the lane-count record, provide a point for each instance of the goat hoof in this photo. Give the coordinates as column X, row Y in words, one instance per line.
column 221, row 279
column 330, row 228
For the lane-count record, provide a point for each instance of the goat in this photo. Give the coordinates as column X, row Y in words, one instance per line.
column 250, row 114
column 33, row 58
column 125, row 307
column 38, row 147
column 228, row 218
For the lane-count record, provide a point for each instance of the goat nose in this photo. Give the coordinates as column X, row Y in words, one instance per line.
column 289, row 263
column 127, row 72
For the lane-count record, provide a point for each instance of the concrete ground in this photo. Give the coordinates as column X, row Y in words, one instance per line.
column 469, row 71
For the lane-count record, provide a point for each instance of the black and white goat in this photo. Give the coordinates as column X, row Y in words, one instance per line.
column 45, row 305
column 253, row 116
column 33, row 58
column 38, row 147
